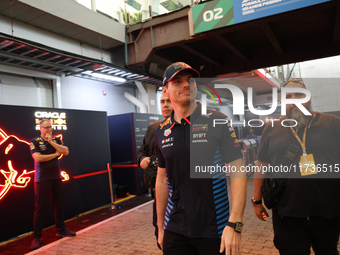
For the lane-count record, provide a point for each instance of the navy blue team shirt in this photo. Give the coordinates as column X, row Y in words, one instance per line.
column 196, row 207
column 48, row 170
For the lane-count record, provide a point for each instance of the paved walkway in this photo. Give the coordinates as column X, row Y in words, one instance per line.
column 132, row 233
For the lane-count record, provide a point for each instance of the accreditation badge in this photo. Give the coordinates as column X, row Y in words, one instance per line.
column 307, row 165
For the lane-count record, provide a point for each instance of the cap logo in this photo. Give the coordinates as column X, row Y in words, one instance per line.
column 179, row 65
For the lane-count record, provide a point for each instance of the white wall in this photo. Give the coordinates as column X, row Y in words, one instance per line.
column 74, row 92
column 24, row 90
column 66, row 9
column 85, row 94
column 322, row 78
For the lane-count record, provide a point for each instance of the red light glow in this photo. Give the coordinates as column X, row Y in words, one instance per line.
column 12, row 178
column 10, row 146
column 128, row 165
column 89, row 174
column 61, row 138
column 65, row 176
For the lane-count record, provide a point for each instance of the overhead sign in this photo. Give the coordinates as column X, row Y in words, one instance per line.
column 222, row 13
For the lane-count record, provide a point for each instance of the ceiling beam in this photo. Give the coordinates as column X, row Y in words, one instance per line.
column 231, row 47
column 336, row 37
column 5, row 44
column 15, row 48
column 192, row 51
column 73, row 62
column 41, row 54
column 28, row 51
column 53, row 57
column 272, row 38
column 36, row 61
column 63, row 60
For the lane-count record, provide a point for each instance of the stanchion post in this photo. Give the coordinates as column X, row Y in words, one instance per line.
column 113, row 206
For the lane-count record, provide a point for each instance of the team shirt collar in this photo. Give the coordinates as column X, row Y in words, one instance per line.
column 188, row 119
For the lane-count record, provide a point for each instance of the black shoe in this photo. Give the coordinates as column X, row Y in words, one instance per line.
column 65, row 232
column 35, row 244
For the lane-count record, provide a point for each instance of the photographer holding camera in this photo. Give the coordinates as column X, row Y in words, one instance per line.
column 147, row 158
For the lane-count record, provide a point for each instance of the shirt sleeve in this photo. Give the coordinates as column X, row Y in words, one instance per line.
column 34, row 146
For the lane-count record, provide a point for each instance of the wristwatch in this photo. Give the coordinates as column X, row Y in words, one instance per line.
column 238, row 226
column 256, row 202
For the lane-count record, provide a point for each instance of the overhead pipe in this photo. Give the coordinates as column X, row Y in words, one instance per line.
column 142, row 107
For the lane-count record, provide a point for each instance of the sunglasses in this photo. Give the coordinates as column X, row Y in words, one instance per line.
column 292, row 80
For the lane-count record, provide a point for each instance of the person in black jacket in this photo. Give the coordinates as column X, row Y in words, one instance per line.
column 306, row 212
column 147, row 158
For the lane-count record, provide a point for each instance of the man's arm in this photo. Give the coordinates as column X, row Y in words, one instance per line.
column 162, row 194
column 259, row 210
column 60, row 148
column 38, row 157
column 231, row 240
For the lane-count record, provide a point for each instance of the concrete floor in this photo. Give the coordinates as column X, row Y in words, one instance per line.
column 132, row 232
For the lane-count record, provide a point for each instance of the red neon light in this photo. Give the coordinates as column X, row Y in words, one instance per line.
column 61, row 138
column 12, row 178
column 10, row 146
column 3, row 134
column 65, row 176
column 89, row 174
column 131, row 165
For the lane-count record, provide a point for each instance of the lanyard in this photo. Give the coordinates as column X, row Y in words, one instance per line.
column 303, row 142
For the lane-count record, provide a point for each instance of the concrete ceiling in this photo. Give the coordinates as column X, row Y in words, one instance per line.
column 27, row 14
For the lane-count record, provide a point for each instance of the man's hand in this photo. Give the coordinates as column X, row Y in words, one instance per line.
column 49, row 138
column 160, row 237
column 261, row 212
column 145, row 162
column 230, row 241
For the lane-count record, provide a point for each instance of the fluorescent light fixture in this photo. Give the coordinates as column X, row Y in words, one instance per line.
column 108, row 77
column 132, row 75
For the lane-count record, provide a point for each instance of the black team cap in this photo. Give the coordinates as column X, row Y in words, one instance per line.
column 172, row 70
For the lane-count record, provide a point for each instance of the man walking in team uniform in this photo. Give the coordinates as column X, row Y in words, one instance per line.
column 45, row 151
column 306, row 211
column 193, row 213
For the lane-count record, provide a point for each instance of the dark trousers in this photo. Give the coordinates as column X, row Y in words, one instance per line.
column 295, row 236
column 176, row 244
column 154, row 217
column 43, row 190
